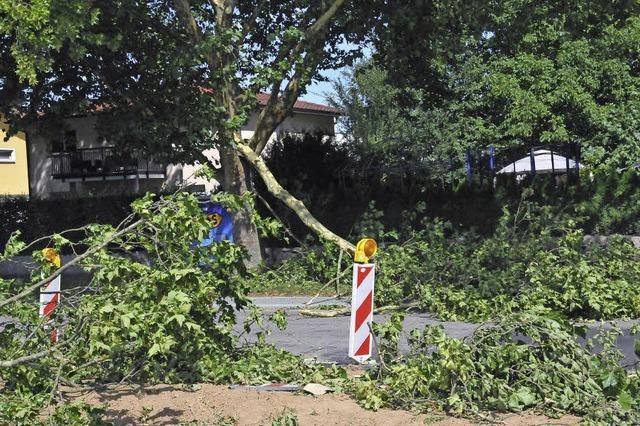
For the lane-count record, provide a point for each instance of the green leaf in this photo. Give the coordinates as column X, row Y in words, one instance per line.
column 179, row 318
column 626, row 400
column 610, row 380
column 526, row 396
column 155, row 348
column 107, row 308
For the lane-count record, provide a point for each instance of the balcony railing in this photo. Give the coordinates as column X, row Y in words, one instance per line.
column 105, row 162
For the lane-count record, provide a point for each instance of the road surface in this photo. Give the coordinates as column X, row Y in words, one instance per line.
column 326, row 339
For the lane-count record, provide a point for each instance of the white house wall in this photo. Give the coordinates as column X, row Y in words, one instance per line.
column 43, row 185
column 299, row 123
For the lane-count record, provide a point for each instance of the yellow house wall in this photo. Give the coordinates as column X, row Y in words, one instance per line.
column 14, row 177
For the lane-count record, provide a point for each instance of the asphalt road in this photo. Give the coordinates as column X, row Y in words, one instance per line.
column 326, row 339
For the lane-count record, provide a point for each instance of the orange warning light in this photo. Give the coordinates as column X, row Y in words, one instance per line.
column 366, row 248
column 52, row 256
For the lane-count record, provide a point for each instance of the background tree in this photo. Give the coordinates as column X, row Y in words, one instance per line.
column 189, row 78
column 503, row 73
column 389, row 130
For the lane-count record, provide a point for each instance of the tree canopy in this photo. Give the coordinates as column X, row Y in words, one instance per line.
column 175, row 76
column 518, row 73
column 171, row 63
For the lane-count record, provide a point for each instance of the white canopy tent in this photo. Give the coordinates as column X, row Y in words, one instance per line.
column 544, row 161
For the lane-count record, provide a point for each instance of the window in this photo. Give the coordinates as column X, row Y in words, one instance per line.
column 66, row 143
column 7, row 155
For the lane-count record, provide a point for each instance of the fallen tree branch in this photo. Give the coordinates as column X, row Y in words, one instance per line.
column 286, row 228
column 338, row 273
column 25, row 359
column 56, row 383
column 39, row 355
column 335, row 279
column 292, row 202
column 383, row 365
column 347, row 310
column 69, row 264
column 33, row 357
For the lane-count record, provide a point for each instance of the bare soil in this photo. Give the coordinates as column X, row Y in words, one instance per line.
column 208, row 404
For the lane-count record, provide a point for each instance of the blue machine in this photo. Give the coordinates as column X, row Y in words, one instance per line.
column 222, row 224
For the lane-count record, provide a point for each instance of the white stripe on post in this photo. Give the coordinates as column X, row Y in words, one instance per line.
column 360, row 339
column 49, row 300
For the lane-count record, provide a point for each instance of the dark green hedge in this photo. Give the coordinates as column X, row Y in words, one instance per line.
column 338, row 187
column 37, row 218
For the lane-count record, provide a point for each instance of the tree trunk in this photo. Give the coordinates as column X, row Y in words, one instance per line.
column 235, row 181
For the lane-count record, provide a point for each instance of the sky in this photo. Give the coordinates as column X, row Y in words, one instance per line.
column 318, row 91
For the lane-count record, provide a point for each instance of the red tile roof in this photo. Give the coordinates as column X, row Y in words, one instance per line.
column 302, row 106
column 262, row 98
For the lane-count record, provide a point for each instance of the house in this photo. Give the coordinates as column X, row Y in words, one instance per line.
column 307, row 117
column 79, row 163
column 14, row 173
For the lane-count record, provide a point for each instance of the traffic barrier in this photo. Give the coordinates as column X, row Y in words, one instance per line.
column 360, row 338
column 50, row 292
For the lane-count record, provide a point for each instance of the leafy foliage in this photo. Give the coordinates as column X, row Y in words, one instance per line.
column 610, row 203
column 287, row 418
column 534, row 257
column 40, row 29
column 173, row 320
column 450, row 76
column 529, row 360
column 169, row 318
column 570, row 90
column 395, row 141
column 303, row 273
column 460, row 277
column 160, row 89
column 22, row 409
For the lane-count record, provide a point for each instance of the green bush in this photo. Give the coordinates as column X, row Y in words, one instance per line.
column 610, row 203
column 303, row 274
column 36, row 218
column 596, row 282
column 534, row 257
column 529, row 360
column 171, row 321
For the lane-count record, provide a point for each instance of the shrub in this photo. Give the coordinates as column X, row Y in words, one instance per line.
column 169, row 321
column 530, row 360
column 36, row 218
column 535, row 257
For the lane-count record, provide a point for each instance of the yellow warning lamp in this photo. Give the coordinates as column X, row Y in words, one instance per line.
column 365, row 249
column 52, row 256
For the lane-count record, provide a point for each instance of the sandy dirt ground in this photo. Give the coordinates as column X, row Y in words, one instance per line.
column 209, row 404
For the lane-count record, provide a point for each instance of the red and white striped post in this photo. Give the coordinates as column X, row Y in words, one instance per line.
column 50, row 292
column 360, row 339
